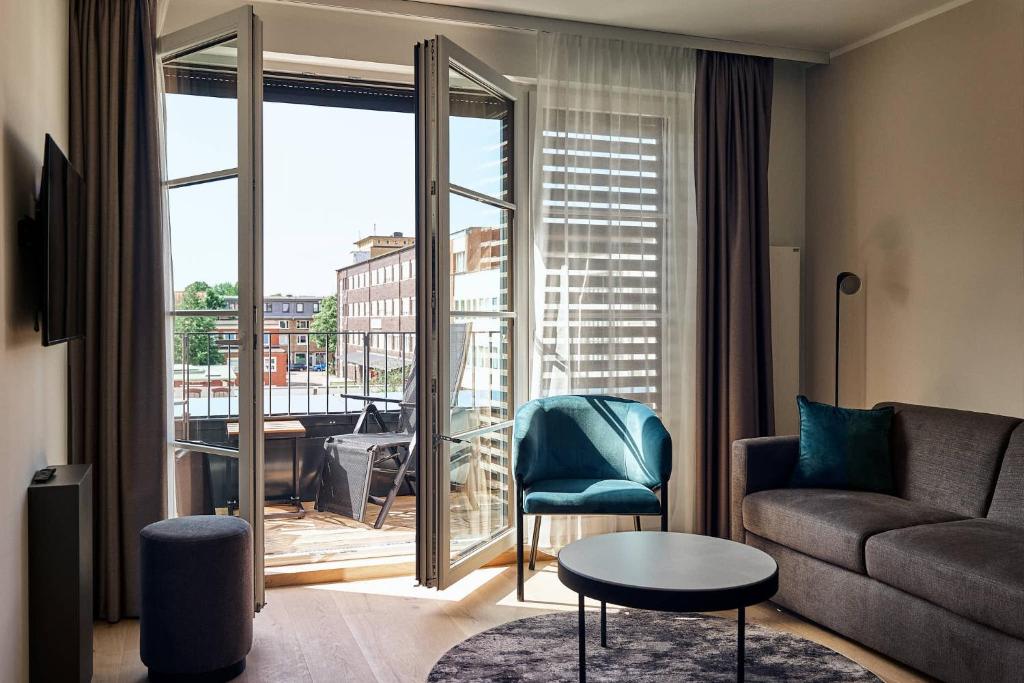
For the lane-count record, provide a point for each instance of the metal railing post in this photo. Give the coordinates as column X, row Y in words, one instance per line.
column 288, row 370
column 268, row 364
column 366, row 365
column 228, row 375
column 209, row 375
column 186, row 410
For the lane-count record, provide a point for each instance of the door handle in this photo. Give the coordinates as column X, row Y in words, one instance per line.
column 450, row 439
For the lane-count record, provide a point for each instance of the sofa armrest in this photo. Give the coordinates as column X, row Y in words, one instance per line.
column 757, row 465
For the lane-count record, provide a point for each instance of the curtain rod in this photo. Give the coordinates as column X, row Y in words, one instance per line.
column 524, row 22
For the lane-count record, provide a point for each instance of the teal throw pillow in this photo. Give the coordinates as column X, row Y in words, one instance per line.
column 843, row 448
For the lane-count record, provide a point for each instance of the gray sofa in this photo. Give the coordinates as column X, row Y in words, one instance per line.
column 933, row 576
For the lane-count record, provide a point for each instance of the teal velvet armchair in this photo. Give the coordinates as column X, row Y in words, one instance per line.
column 587, row 455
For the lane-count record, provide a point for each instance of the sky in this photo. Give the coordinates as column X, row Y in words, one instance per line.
column 331, row 176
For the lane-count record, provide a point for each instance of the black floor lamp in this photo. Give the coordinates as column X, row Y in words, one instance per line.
column 847, row 283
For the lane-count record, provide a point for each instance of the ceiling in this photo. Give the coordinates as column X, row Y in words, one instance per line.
column 820, row 25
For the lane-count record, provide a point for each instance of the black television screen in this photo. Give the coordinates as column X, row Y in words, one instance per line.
column 61, row 222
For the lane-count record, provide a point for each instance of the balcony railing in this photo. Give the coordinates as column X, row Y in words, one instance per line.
column 304, row 372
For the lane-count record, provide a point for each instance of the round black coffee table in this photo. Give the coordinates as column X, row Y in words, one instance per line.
column 666, row 572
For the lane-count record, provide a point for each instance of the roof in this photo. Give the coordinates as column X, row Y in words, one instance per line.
column 384, row 240
column 375, row 258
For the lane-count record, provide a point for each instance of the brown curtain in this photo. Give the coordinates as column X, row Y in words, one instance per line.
column 118, row 418
column 732, row 121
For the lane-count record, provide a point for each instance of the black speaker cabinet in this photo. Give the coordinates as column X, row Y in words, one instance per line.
column 60, row 576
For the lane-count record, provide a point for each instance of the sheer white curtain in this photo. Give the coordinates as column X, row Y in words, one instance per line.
column 614, row 241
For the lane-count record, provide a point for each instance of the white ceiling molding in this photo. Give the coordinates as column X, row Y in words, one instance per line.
column 924, row 16
column 523, row 22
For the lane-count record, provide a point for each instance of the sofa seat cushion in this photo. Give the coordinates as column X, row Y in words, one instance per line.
column 590, row 496
column 974, row 568
column 832, row 525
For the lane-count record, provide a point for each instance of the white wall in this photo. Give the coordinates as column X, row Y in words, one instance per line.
column 33, row 101
column 787, row 157
column 786, row 226
column 915, row 180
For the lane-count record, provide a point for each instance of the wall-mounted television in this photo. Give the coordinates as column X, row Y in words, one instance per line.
column 60, row 247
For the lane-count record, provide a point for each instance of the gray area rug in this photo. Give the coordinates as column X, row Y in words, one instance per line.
column 642, row 646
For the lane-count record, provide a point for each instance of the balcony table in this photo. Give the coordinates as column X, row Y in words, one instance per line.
column 283, row 429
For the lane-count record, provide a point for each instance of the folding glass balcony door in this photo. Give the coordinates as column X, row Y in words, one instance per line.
column 470, row 137
column 213, row 84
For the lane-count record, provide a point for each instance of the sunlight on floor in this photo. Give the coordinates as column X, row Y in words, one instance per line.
column 543, row 589
column 405, row 586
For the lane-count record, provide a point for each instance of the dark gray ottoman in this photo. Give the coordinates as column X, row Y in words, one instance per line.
column 197, row 598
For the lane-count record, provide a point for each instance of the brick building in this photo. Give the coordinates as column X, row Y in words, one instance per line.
column 377, row 293
column 287, row 342
column 377, row 298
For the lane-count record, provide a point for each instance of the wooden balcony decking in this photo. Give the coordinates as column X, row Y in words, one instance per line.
column 327, row 537
column 323, row 537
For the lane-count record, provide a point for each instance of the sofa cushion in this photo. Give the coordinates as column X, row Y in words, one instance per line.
column 843, row 448
column 590, row 496
column 973, row 567
column 832, row 525
column 1008, row 498
column 948, row 458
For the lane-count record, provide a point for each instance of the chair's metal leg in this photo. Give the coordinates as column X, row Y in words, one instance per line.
column 520, row 589
column 664, row 506
column 604, row 624
column 534, row 542
column 636, row 522
column 396, row 486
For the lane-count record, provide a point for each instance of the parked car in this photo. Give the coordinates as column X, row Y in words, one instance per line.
column 296, row 367
column 318, row 367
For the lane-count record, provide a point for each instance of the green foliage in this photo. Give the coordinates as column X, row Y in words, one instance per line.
column 202, row 348
column 324, row 326
column 325, row 321
column 226, row 289
column 395, row 379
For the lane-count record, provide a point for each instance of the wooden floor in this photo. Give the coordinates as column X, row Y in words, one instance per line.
column 389, row 630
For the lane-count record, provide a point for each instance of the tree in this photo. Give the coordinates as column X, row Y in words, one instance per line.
column 201, row 346
column 325, row 326
column 224, row 289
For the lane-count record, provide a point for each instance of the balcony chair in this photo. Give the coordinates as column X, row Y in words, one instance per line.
column 351, row 461
column 587, row 455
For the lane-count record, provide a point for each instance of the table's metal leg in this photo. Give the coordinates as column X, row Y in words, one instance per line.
column 583, row 643
column 604, row 624
column 741, row 627
column 297, row 493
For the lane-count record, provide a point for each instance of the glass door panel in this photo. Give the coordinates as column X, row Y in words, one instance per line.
column 478, row 239
column 202, row 196
column 212, row 96
column 469, row 122
column 479, row 134
column 482, row 380
column 481, row 481
column 201, row 110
